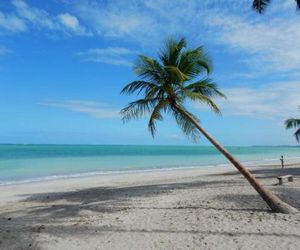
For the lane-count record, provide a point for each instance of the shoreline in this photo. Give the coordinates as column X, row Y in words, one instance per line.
column 187, row 209
column 16, row 191
column 250, row 164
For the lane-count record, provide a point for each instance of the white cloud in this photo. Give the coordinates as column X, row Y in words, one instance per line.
column 24, row 16
column 71, row 22
column 110, row 55
column 12, row 23
column 268, row 41
column 36, row 16
column 148, row 22
column 271, row 101
column 116, row 19
column 271, row 45
column 95, row 109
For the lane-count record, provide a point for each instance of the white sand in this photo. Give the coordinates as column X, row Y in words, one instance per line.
column 211, row 208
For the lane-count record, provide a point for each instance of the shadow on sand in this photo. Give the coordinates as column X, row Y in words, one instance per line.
column 266, row 172
column 47, row 209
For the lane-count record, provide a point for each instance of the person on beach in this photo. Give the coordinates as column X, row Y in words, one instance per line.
column 281, row 160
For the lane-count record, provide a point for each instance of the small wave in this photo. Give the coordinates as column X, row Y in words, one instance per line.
column 98, row 173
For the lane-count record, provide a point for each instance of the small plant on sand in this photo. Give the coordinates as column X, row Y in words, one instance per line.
column 294, row 123
column 166, row 85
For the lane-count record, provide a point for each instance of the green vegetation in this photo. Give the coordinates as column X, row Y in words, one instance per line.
column 260, row 5
column 294, row 123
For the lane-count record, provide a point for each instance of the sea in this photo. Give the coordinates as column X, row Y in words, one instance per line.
column 30, row 163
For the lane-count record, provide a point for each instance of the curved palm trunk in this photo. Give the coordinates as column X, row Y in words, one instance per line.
column 273, row 201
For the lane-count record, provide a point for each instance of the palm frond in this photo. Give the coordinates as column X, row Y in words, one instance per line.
column 206, row 87
column 156, row 115
column 260, row 5
column 298, row 4
column 205, row 64
column 155, row 92
column 176, row 76
column 187, row 127
column 138, row 86
column 138, row 109
column 149, row 69
column 165, row 84
column 195, row 96
column 292, row 123
column 193, row 62
column 297, row 135
column 171, row 53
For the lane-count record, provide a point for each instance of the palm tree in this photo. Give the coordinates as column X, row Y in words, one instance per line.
column 166, row 84
column 294, row 123
column 260, row 5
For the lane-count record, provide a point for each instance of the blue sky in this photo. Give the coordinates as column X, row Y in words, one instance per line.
column 63, row 64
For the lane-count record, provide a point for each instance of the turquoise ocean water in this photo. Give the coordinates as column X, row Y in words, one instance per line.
column 25, row 163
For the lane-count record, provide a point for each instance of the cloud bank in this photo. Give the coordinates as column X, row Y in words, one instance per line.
column 273, row 101
column 94, row 109
column 24, row 17
column 111, row 55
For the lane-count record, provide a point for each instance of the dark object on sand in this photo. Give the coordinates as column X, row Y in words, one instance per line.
column 285, row 177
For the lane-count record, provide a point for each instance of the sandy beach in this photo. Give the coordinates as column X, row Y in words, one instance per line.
column 197, row 208
column 149, row 125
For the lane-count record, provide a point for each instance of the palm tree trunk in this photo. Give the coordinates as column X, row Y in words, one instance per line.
column 273, row 201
